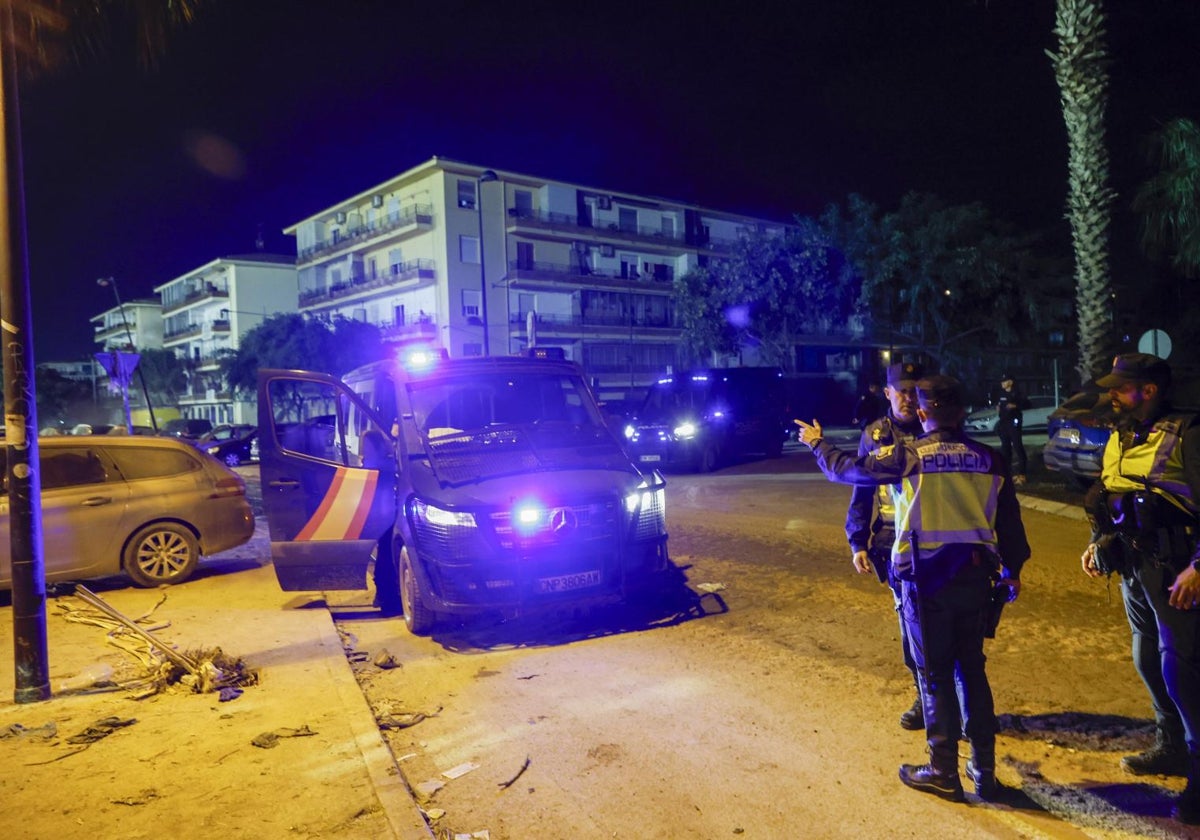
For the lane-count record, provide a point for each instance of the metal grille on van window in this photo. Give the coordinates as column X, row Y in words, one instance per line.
column 562, row 524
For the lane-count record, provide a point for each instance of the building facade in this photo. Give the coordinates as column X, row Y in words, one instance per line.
column 204, row 314
column 475, row 261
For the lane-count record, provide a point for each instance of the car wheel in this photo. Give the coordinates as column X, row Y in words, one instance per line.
column 162, row 553
column 419, row 619
column 232, row 460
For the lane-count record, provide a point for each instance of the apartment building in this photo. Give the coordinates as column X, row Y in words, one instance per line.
column 476, row 261
column 136, row 322
column 204, row 314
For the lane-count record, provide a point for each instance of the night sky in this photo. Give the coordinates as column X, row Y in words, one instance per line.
column 266, row 111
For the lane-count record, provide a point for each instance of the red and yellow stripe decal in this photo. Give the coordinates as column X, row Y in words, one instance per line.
column 343, row 512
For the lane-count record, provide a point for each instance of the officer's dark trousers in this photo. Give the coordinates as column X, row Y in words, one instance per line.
column 946, row 633
column 1166, row 644
column 1010, row 443
column 894, row 584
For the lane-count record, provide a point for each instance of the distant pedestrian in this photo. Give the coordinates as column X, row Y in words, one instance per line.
column 870, row 407
column 1011, row 406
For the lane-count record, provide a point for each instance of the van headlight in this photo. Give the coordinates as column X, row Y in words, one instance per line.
column 685, row 431
column 441, row 518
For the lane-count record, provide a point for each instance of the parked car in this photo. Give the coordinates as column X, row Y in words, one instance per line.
column 186, row 427
column 1078, row 431
column 985, row 420
column 476, row 486
column 700, row 419
column 146, row 506
column 232, row 445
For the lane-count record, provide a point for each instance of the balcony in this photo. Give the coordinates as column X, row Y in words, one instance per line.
column 523, row 274
column 420, row 270
column 409, row 218
column 416, row 327
column 178, row 333
column 596, row 322
column 571, row 225
column 205, row 292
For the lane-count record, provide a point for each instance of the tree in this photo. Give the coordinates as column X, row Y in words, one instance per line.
column 1168, row 203
column 952, row 280
column 772, row 289
column 293, row 341
column 165, row 375
column 33, row 36
column 1081, row 68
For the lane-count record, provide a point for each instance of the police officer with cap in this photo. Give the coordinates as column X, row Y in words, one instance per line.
column 871, row 539
column 958, row 528
column 1144, row 516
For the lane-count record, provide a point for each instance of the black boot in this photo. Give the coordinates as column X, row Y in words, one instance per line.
column 925, row 778
column 1187, row 807
column 914, row 718
column 1168, row 757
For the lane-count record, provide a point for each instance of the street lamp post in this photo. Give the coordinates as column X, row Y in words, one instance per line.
column 485, row 177
column 112, row 281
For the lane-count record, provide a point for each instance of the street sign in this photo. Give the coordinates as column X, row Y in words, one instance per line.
column 1155, row 342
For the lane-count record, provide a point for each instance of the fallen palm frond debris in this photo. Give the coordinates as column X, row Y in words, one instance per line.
column 202, row 671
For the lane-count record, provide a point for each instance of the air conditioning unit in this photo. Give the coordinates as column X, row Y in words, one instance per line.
column 607, row 251
column 604, row 202
column 340, row 218
column 376, row 201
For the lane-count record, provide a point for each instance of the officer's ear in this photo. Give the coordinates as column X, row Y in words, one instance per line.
column 922, row 414
column 1149, row 390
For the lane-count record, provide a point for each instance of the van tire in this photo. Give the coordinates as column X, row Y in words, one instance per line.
column 419, row 619
column 161, row 553
column 710, row 457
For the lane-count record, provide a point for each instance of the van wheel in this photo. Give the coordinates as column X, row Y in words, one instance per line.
column 419, row 619
column 162, row 553
column 774, row 446
column 709, row 457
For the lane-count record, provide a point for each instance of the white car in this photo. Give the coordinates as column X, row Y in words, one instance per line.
column 1034, row 418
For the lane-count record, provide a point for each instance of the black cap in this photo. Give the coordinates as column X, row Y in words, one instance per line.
column 939, row 391
column 1004, row 377
column 1136, row 367
column 904, row 374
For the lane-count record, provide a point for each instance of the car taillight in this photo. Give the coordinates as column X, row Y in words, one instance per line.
column 232, row 485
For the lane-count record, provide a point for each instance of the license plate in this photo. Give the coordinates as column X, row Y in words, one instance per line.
column 648, row 458
column 1069, row 435
column 565, row 583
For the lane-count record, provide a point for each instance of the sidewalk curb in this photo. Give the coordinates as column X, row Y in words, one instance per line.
column 391, row 789
column 1064, row 509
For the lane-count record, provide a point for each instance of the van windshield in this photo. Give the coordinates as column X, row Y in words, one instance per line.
column 444, row 407
column 667, row 402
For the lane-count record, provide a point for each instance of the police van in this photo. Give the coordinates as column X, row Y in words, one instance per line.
column 700, row 419
column 471, row 485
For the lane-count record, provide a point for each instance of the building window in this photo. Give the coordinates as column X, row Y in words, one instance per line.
column 523, row 203
column 471, row 301
column 468, row 249
column 466, row 194
column 627, row 221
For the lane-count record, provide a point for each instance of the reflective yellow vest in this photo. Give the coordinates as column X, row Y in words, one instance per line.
column 951, row 506
column 1155, row 463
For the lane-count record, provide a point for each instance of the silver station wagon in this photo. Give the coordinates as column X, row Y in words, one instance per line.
column 145, row 506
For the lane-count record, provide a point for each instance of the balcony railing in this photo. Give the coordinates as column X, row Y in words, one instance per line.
column 208, row 290
column 569, row 223
column 182, row 332
column 416, row 214
column 524, row 270
column 594, row 322
column 357, row 284
column 418, row 326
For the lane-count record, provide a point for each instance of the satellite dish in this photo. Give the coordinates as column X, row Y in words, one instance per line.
column 1155, row 342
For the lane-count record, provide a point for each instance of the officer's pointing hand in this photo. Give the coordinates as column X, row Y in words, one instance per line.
column 809, row 434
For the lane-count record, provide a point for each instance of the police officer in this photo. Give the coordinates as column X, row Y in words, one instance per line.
column 1144, row 521
column 1010, row 407
column 871, row 540
column 958, row 527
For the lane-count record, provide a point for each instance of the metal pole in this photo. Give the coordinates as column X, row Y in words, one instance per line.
column 484, row 177
column 27, row 553
column 111, row 281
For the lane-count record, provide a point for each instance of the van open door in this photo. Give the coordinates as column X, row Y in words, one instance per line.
column 328, row 469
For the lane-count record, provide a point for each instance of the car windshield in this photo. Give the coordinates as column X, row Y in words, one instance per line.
column 667, row 401
column 503, row 423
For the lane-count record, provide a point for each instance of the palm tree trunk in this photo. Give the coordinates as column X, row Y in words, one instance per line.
column 1081, row 68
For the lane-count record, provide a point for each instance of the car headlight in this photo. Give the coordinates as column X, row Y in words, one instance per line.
column 434, row 515
column 686, row 430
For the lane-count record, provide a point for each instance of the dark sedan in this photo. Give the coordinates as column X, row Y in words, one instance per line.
column 231, row 444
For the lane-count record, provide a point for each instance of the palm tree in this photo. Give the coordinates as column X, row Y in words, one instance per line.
column 1081, row 69
column 37, row 35
column 1168, row 203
